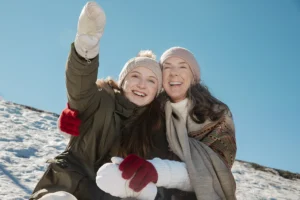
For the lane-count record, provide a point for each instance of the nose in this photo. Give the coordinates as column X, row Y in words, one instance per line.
column 141, row 84
column 174, row 72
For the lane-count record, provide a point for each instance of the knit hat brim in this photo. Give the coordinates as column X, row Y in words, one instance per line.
column 146, row 62
column 185, row 55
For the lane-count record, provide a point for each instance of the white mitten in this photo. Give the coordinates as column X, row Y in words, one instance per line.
column 172, row 174
column 109, row 179
column 61, row 195
column 90, row 28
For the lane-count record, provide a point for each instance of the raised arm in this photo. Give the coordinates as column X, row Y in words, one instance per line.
column 83, row 62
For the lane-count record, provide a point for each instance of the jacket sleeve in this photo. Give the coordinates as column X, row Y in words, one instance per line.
column 81, row 76
column 172, row 174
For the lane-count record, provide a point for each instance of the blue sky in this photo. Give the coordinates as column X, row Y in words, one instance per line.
column 249, row 53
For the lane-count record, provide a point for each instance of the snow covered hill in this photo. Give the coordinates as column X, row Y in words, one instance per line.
column 28, row 137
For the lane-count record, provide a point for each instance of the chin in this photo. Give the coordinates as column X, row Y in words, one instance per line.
column 138, row 103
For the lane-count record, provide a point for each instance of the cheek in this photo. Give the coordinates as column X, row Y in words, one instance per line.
column 188, row 78
column 165, row 82
column 126, row 86
column 153, row 92
column 165, row 85
column 191, row 77
column 165, row 75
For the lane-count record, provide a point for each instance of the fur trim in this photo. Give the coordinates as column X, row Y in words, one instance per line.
column 109, row 85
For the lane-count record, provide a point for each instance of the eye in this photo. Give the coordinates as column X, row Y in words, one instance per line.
column 134, row 76
column 183, row 67
column 166, row 67
column 151, row 81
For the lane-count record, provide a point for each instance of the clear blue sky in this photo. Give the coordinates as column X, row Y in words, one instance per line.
column 249, row 52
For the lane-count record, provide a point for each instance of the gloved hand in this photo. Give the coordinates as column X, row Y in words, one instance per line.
column 109, row 180
column 144, row 172
column 68, row 121
column 90, row 29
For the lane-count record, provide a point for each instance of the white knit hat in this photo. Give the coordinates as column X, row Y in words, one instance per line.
column 149, row 63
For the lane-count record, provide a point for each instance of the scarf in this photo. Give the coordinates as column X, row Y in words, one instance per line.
column 193, row 143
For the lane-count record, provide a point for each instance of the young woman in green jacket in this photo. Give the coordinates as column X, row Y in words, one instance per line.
column 105, row 110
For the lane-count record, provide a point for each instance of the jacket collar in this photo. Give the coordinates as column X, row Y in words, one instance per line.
column 126, row 108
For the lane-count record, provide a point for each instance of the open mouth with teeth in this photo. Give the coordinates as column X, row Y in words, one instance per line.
column 175, row 83
column 140, row 94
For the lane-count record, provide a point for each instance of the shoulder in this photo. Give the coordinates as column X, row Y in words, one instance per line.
column 104, row 87
column 227, row 118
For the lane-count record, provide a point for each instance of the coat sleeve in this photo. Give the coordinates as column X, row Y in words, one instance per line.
column 221, row 139
column 172, row 174
column 81, row 76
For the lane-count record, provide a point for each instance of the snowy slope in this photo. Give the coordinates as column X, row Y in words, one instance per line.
column 28, row 137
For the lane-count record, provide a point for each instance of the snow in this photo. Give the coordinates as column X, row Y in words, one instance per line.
column 28, row 137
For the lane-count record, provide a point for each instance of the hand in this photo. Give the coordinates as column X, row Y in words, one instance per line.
column 144, row 172
column 68, row 121
column 109, row 180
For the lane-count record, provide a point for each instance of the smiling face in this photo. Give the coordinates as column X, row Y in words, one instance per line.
column 140, row 86
column 177, row 78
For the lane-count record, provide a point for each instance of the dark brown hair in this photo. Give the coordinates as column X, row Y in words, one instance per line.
column 205, row 105
column 137, row 132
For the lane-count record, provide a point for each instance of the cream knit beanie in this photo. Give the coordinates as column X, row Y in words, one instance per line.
column 185, row 55
column 142, row 61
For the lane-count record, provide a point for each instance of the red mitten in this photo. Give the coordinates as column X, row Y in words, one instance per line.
column 144, row 172
column 68, row 121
